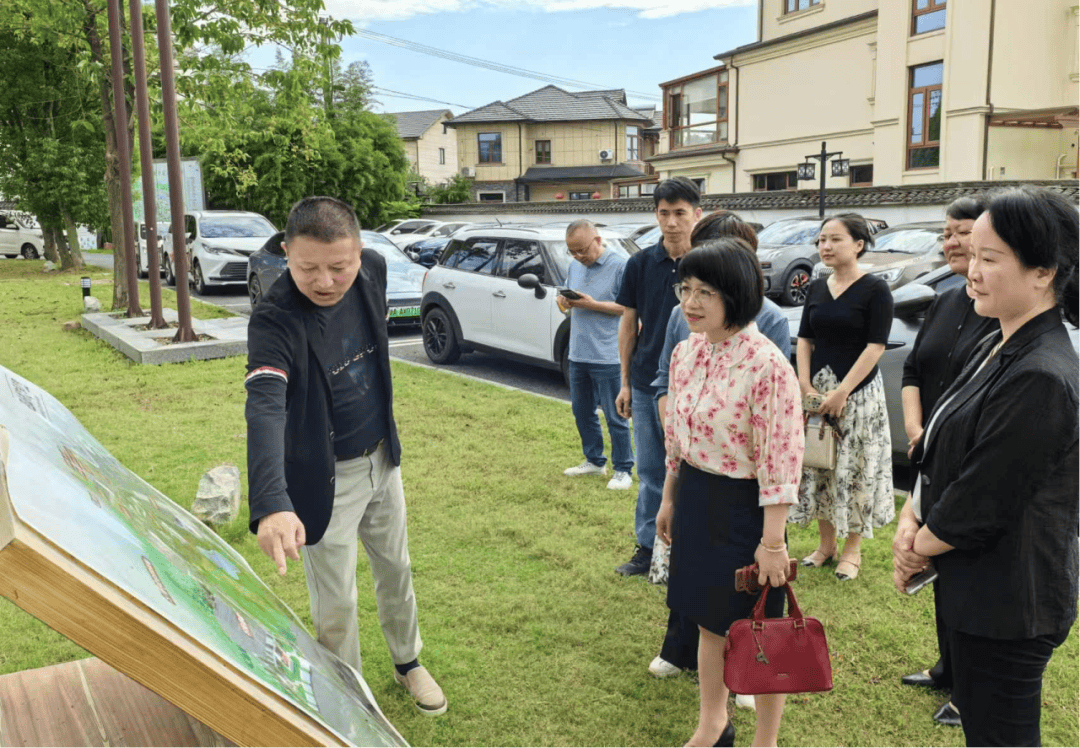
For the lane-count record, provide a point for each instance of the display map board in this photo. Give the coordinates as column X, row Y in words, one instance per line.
column 101, row 556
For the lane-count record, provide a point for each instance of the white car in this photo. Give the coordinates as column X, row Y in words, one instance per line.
column 413, row 230
column 493, row 290
column 142, row 253
column 20, row 235
column 219, row 243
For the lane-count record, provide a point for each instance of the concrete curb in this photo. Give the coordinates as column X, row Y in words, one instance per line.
column 228, row 337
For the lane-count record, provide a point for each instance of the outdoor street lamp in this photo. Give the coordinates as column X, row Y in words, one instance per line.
column 840, row 167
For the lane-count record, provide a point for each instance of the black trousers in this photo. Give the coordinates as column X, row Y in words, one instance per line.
column 680, row 641
column 997, row 686
column 942, row 669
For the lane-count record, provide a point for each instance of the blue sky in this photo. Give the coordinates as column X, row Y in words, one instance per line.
column 629, row 44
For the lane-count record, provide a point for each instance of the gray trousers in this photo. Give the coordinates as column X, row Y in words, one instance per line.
column 369, row 504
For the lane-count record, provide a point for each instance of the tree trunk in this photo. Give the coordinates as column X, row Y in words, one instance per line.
column 49, row 245
column 71, row 258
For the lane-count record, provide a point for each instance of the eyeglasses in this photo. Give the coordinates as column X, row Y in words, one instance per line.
column 683, row 292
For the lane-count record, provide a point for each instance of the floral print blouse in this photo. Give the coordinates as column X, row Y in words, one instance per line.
column 734, row 408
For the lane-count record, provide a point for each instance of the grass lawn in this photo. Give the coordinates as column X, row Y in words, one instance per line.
column 534, row 638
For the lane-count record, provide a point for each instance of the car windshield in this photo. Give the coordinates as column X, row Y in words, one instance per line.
column 908, row 241
column 648, row 238
column 561, row 254
column 386, row 248
column 790, row 232
column 236, row 227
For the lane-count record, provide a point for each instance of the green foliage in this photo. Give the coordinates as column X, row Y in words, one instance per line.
column 457, row 189
column 534, row 638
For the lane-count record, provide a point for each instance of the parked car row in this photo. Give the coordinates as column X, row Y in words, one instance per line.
column 20, row 235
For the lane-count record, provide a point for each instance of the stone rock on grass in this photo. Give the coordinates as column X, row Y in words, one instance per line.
column 217, row 502
column 49, row 266
column 72, row 326
column 91, row 304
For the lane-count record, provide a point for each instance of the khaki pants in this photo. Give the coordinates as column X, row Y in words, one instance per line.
column 369, row 504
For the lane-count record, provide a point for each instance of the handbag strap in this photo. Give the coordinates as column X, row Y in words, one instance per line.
column 794, row 611
column 827, row 420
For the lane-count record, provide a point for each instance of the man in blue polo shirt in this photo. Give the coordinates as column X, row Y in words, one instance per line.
column 594, row 275
column 648, row 295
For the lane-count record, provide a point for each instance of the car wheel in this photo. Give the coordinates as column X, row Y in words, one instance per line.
column 29, row 251
column 440, row 342
column 795, row 286
column 170, row 275
column 254, row 289
column 197, row 280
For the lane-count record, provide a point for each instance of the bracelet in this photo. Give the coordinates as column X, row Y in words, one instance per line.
column 774, row 549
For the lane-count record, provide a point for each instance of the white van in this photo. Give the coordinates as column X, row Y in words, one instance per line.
column 142, row 252
column 20, row 235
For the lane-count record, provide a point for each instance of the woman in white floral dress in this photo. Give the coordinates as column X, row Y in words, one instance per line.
column 734, row 440
column 845, row 325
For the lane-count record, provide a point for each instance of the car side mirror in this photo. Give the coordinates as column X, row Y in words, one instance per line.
column 912, row 299
column 528, row 280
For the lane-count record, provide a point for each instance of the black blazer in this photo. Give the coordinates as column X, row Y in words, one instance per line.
column 1000, row 478
column 280, row 335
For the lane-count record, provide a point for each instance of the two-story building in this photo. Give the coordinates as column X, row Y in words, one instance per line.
column 910, row 91
column 551, row 144
column 430, row 145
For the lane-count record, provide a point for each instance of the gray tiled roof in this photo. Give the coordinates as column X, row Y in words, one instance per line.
column 567, row 173
column 415, row 124
column 552, row 104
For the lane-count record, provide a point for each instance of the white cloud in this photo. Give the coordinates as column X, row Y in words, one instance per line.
column 363, row 11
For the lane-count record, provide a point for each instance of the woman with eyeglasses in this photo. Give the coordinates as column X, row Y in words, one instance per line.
column 734, row 440
column 845, row 325
column 999, row 471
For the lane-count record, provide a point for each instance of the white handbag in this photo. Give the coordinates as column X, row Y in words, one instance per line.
column 822, row 441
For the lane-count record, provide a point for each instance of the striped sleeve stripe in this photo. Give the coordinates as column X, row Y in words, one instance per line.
column 264, row 371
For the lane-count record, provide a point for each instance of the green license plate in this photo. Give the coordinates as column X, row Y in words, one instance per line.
column 404, row 311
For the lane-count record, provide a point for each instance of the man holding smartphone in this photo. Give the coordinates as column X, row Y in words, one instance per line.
column 593, row 279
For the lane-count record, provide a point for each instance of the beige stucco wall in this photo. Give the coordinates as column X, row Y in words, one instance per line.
column 427, row 149
column 775, row 23
column 1031, row 154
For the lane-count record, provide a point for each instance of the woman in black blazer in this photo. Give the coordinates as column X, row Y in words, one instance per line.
column 949, row 333
column 999, row 474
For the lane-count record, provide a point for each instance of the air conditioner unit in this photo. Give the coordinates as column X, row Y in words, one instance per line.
column 468, row 171
column 607, row 154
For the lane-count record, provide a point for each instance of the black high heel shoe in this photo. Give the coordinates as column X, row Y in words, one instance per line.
column 727, row 737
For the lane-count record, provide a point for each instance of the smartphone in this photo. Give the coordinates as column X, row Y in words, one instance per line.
column 920, row 580
column 569, row 293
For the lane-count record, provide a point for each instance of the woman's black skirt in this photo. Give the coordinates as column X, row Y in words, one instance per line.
column 716, row 529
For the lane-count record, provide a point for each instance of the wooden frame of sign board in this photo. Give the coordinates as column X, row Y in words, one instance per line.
column 54, row 587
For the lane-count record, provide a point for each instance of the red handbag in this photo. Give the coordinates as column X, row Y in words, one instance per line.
column 777, row 655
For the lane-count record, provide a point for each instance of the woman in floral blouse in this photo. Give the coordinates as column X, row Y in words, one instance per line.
column 734, row 438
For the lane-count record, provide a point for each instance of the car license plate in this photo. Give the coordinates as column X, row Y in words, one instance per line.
column 404, row 311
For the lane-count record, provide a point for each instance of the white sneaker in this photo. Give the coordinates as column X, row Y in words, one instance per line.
column 586, row 468
column 661, row 668
column 744, row 701
column 620, row 481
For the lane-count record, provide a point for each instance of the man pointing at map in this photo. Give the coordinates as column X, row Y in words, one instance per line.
column 323, row 451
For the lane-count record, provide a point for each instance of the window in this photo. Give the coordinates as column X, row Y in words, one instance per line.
column 927, row 15
column 543, row 151
column 490, row 147
column 861, row 176
column 700, row 182
column 520, row 257
column 444, row 128
column 792, row 6
column 924, row 121
column 442, row 155
column 777, row 180
column 633, row 143
column 581, row 196
column 697, row 111
column 475, row 255
column 491, row 197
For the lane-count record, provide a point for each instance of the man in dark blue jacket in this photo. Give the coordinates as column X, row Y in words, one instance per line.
column 323, row 451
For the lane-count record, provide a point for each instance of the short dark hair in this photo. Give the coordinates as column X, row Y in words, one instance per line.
column 731, row 267
column 324, row 219
column 676, row 189
column 966, row 208
column 720, row 224
column 1042, row 227
column 857, row 228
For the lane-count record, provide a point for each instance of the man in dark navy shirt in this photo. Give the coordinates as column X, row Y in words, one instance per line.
column 648, row 296
column 323, row 451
